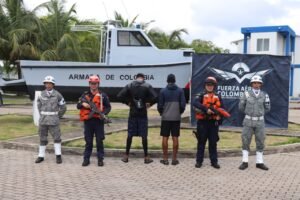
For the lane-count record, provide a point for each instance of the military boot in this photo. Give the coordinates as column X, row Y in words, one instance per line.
column 39, row 160
column 100, row 162
column 58, row 159
column 261, row 166
column 260, row 161
column 243, row 166
column 85, row 162
column 42, row 150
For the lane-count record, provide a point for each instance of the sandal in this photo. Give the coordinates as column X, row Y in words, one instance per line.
column 164, row 162
column 175, row 162
column 148, row 160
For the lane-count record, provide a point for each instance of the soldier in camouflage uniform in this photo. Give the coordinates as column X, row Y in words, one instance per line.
column 254, row 104
column 51, row 106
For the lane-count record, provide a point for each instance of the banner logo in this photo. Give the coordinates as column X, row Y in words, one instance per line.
column 241, row 72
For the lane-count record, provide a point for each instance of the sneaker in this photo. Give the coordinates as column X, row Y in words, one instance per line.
column 198, row 165
column 261, row 166
column 243, row 166
column 148, row 160
column 164, row 162
column 175, row 162
column 215, row 165
column 58, row 159
column 85, row 162
column 39, row 160
column 100, row 162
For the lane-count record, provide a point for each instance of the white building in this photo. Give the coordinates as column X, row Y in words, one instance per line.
column 274, row 40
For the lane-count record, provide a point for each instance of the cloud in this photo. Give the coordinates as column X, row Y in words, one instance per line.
column 232, row 14
column 219, row 21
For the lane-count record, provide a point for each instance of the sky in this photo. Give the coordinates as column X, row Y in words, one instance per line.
column 219, row 21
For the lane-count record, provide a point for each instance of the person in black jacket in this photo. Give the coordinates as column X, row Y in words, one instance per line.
column 171, row 104
column 139, row 96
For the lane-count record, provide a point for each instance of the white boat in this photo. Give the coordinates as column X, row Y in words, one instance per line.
column 124, row 52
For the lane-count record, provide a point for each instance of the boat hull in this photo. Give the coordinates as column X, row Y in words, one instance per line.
column 72, row 77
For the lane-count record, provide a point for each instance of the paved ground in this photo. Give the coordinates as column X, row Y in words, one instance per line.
column 22, row 179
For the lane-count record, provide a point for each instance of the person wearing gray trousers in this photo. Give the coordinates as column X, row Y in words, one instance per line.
column 255, row 103
column 51, row 106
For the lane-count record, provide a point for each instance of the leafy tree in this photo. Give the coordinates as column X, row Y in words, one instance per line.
column 124, row 22
column 18, row 34
column 165, row 41
column 203, row 46
column 89, row 41
column 59, row 43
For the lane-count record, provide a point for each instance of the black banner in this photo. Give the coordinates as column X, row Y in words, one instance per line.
column 233, row 73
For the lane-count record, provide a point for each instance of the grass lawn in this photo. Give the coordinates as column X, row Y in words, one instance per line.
column 294, row 127
column 13, row 99
column 116, row 113
column 14, row 126
column 228, row 140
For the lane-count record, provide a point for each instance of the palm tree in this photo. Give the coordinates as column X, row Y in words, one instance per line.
column 165, row 41
column 59, row 43
column 19, row 33
column 124, row 22
column 89, row 41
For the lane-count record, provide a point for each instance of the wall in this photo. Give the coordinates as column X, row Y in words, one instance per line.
column 273, row 43
column 297, row 50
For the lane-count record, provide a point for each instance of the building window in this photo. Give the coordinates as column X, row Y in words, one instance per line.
column 131, row 38
column 263, row 44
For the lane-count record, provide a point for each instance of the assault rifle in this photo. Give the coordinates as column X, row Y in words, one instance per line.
column 196, row 134
column 95, row 110
column 219, row 111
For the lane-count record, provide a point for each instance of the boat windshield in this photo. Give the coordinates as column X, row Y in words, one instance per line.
column 131, row 38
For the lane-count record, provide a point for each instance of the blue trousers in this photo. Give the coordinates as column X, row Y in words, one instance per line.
column 207, row 130
column 93, row 127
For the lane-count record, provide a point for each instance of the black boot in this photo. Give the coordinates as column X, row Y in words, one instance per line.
column 215, row 165
column 100, row 162
column 58, row 159
column 85, row 162
column 39, row 160
column 261, row 166
column 198, row 165
column 243, row 166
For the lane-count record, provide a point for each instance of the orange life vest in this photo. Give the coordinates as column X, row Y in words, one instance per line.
column 209, row 99
column 97, row 100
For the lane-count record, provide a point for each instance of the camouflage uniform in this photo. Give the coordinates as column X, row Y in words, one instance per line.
column 254, row 107
column 51, row 107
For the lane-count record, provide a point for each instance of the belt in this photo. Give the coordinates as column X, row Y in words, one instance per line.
column 48, row 113
column 254, row 118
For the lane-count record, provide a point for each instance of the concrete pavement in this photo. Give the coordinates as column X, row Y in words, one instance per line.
column 22, row 179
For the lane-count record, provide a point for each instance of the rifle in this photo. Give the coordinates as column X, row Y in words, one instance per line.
column 95, row 110
column 219, row 111
column 196, row 134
